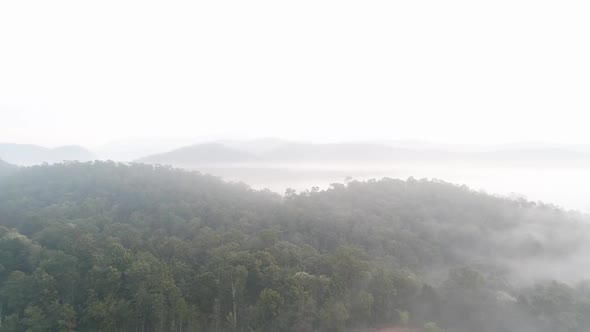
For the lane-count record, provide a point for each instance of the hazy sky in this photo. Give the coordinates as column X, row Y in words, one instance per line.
column 88, row 72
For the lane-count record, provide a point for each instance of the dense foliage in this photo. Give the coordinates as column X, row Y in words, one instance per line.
column 111, row 247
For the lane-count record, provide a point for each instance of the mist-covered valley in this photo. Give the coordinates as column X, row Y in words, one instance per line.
column 510, row 170
column 562, row 185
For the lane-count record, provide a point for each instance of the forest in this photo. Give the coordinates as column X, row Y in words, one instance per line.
column 105, row 246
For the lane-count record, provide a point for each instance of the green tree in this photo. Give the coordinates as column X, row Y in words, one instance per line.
column 268, row 306
column 334, row 316
column 35, row 320
column 17, row 292
column 63, row 317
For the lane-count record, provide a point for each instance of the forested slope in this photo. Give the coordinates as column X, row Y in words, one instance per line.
column 112, row 247
column 6, row 168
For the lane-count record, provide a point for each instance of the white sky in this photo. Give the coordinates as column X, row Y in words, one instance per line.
column 88, row 72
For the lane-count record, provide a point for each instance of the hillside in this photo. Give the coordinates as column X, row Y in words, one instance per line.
column 6, row 168
column 27, row 154
column 4, row 164
column 106, row 246
column 200, row 154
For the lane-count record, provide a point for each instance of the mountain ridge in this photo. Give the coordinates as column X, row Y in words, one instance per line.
column 200, row 153
column 30, row 154
column 277, row 151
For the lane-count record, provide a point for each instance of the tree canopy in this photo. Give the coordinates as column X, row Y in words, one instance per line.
column 103, row 246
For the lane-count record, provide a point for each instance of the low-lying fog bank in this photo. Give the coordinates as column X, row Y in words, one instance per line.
column 567, row 186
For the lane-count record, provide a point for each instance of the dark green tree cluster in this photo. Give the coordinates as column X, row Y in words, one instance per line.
column 111, row 247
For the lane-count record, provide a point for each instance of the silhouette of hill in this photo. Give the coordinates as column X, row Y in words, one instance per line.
column 29, row 154
column 200, row 154
column 255, row 146
column 280, row 151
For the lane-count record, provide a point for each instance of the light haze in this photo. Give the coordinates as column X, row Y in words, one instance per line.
column 310, row 165
column 77, row 72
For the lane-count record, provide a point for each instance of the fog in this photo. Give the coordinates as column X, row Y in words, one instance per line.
column 306, row 166
column 454, row 72
column 564, row 186
column 552, row 173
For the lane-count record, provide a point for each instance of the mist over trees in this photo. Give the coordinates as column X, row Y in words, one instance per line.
column 112, row 247
column 6, row 168
column 28, row 154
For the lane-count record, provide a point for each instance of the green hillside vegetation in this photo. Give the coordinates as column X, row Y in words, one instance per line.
column 111, row 247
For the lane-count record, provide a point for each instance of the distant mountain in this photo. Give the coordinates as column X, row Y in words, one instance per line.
column 272, row 150
column 430, row 146
column 28, row 154
column 255, row 146
column 348, row 152
column 545, row 154
column 374, row 152
column 304, row 152
column 210, row 153
column 132, row 149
